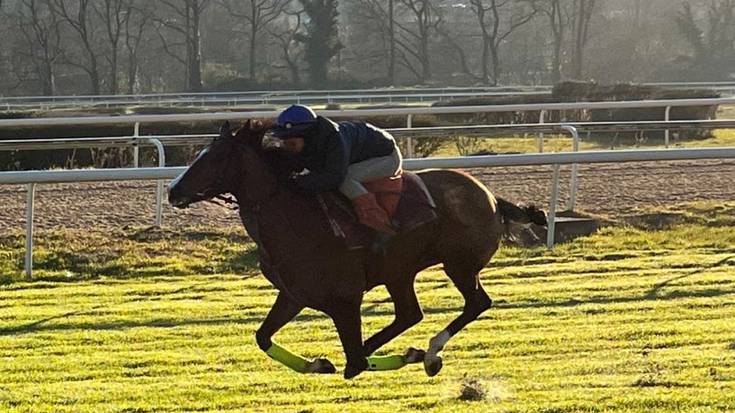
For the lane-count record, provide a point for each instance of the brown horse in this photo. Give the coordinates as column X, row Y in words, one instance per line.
column 311, row 268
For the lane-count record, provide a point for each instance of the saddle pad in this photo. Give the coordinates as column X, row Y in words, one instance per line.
column 415, row 208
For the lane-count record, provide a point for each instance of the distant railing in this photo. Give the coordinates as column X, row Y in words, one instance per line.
column 382, row 95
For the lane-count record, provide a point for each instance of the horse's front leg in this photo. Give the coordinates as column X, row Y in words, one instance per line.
column 346, row 317
column 283, row 311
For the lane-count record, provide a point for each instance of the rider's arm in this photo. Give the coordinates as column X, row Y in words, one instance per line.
column 335, row 168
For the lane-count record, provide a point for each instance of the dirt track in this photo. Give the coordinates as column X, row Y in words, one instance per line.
column 607, row 189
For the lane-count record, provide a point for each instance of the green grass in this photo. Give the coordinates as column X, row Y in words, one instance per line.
column 628, row 320
column 563, row 143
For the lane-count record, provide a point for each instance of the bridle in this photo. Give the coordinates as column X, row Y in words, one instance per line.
column 221, row 183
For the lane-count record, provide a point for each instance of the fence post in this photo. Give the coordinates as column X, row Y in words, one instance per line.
column 575, row 167
column 667, row 118
column 409, row 140
column 159, row 183
column 542, row 120
column 29, row 230
column 136, row 151
column 551, row 216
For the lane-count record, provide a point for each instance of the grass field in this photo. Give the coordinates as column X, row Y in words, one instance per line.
column 632, row 319
column 563, row 143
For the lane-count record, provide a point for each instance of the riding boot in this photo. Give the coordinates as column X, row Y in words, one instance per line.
column 372, row 215
column 389, row 202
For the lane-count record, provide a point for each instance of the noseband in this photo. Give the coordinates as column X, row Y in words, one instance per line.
column 221, row 183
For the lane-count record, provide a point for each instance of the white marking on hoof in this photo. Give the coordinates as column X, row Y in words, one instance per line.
column 437, row 344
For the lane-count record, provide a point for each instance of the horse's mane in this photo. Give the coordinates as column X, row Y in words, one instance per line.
column 252, row 133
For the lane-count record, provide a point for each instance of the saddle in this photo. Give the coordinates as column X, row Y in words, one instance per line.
column 404, row 197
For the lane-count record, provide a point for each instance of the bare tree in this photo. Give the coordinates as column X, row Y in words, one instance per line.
column 184, row 18
column 78, row 16
column 285, row 33
column 453, row 42
column 254, row 16
column 713, row 45
column 391, row 43
column 138, row 17
column 39, row 26
column 557, row 12
column 378, row 17
column 113, row 16
column 497, row 20
column 583, row 12
column 414, row 40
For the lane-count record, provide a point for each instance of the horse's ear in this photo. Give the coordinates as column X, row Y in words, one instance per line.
column 225, row 131
column 248, row 124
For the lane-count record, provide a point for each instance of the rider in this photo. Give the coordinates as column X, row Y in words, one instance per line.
column 340, row 156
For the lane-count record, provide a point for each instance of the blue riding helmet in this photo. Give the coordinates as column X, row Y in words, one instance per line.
column 294, row 121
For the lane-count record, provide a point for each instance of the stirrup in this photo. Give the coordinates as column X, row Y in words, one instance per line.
column 380, row 242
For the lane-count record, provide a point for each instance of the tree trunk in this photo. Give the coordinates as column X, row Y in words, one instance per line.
column 392, row 45
column 195, row 57
column 47, row 79
column 114, row 84
column 496, row 64
column 94, row 75
column 583, row 16
column 253, row 45
column 425, row 63
column 132, row 73
column 556, row 19
column 486, row 40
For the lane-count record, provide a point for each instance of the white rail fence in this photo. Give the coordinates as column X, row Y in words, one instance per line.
column 544, row 109
column 31, row 178
column 313, row 96
column 361, row 113
column 7, row 177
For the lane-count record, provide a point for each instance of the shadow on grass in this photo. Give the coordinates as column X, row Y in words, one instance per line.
column 41, row 326
column 654, row 292
column 708, row 293
column 152, row 234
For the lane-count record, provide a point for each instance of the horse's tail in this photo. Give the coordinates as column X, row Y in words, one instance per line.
column 520, row 215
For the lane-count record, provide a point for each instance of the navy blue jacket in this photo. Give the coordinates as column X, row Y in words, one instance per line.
column 330, row 148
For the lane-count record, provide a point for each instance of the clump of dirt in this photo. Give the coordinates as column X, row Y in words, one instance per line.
column 472, row 389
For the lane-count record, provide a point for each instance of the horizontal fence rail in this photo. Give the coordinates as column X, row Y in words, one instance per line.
column 560, row 158
column 488, row 130
column 264, row 96
column 270, row 100
column 358, row 113
column 303, row 92
column 32, row 178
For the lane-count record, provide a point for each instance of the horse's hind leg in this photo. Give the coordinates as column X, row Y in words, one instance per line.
column 465, row 278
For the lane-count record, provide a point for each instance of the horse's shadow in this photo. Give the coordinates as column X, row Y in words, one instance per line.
column 43, row 324
column 654, row 292
column 376, row 308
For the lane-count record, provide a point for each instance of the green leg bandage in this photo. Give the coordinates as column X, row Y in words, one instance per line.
column 384, row 363
column 288, row 359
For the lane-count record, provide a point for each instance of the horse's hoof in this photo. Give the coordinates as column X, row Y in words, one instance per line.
column 322, row 366
column 352, row 371
column 433, row 365
column 414, row 355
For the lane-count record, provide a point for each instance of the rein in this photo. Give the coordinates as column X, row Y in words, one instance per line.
column 227, row 201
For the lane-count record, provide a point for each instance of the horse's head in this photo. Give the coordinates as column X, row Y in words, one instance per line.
column 230, row 164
